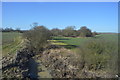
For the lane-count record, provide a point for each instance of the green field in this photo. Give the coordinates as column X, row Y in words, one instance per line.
column 8, row 37
column 110, row 37
column 71, row 42
column 11, row 42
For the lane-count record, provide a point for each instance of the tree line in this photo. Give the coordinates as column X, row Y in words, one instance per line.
column 71, row 32
column 67, row 32
column 11, row 30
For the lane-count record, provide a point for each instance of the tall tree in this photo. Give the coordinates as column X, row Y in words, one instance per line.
column 69, row 31
column 85, row 32
column 56, row 32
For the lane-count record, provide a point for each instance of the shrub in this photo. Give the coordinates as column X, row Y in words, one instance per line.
column 37, row 37
column 99, row 54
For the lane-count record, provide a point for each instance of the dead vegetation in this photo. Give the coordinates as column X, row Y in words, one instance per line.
column 63, row 63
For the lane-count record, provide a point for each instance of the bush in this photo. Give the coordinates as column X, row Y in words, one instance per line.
column 99, row 54
column 37, row 37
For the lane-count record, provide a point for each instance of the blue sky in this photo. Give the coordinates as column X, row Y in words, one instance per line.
column 98, row 16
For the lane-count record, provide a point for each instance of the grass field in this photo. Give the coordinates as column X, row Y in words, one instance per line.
column 71, row 42
column 9, row 37
column 11, row 42
column 110, row 37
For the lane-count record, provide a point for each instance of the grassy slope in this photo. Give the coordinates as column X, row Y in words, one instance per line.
column 110, row 37
column 11, row 42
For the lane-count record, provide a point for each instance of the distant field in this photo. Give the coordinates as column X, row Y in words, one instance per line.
column 110, row 37
column 11, row 42
column 9, row 37
column 71, row 41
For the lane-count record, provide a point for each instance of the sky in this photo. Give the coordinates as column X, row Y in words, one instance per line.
column 60, row 0
column 97, row 16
